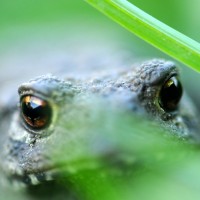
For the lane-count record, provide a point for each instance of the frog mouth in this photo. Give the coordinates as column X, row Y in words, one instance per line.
column 38, row 178
column 27, row 175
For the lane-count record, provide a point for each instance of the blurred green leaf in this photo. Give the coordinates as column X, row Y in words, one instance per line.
column 151, row 30
column 112, row 154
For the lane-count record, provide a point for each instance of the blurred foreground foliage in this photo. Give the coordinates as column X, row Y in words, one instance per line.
column 123, row 156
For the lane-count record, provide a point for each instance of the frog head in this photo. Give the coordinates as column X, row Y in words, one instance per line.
column 50, row 108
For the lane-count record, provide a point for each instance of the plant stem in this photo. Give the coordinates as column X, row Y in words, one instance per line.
column 151, row 30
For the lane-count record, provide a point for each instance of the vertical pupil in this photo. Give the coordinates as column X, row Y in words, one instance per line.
column 35, row 111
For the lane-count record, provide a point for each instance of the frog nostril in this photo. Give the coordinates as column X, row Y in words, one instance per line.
column 36, row 112
column 170, row 94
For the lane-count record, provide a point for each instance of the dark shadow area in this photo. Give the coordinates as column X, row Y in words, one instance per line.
column 51, row 190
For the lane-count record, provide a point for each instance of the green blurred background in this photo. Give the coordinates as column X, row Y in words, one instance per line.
column 37, row 33
column 32, row 32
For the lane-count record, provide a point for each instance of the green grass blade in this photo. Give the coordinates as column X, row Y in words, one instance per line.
column 151, row 30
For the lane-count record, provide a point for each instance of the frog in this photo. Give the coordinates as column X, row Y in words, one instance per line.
column 36, row 117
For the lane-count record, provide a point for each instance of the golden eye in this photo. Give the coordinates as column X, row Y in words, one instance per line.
column 36, row 112
column 170, row 94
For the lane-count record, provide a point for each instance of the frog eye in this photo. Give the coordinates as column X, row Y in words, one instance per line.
column 170, row 94
column 36, row 112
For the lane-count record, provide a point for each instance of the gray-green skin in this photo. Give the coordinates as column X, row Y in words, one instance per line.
column 25, row 155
